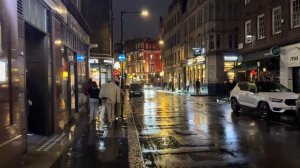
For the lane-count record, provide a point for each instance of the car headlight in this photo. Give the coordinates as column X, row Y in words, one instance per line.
column 276, row 100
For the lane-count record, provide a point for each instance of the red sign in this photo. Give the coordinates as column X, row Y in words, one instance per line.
column 116, row 72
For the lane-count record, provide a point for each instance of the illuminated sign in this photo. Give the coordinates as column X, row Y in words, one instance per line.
column 230, row 58
column 108, row 61
column 80, row 58
column 3, row 76
column 93, row 61
column 198, row 51
column 121, row 57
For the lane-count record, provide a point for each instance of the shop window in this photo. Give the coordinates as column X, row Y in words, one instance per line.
column 295, row 13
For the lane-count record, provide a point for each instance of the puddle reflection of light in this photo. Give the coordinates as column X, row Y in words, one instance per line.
column 149, row 94
column 231, row 136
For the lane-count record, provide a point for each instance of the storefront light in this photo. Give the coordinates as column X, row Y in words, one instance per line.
column 3, row 75
column 230, row 58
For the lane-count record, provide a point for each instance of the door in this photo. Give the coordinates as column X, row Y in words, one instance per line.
column 242, row 93
column 251, row 97
column 296, row 79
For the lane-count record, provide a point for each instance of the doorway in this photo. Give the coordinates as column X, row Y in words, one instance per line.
column 296, row 79
column 38, row 92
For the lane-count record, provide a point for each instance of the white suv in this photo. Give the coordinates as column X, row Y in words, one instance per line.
column 266, row 97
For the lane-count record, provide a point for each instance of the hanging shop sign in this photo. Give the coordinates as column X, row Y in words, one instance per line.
column 198, row 51
column 275, row 51
column 108, row 61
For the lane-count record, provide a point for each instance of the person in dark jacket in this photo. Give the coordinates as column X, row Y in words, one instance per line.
column 94, row 100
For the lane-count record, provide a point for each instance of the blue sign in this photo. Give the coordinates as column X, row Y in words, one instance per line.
column 80, row 58
column 121, row 57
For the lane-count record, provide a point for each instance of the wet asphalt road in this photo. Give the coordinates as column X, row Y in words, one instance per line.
column 175, row 130
column 184, row 131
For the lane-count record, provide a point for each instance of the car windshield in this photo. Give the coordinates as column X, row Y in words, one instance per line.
column 271, row 87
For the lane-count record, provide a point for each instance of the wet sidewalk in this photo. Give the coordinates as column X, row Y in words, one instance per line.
column 82, row 145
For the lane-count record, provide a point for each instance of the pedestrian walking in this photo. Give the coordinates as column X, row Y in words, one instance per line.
column 112, row 95
column 94, row 101
column 197, row 87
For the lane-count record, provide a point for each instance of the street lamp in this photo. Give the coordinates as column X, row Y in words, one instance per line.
column 143, row 13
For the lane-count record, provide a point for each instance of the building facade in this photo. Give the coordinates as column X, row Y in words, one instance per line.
column 143, row 61
column 269, row 41
column 101, row 52
column 44, row 54
column 201, row 44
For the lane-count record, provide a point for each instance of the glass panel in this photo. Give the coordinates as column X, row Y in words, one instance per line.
column 72, row 86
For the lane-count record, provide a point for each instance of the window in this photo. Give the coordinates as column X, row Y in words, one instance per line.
column 248, row 32
column 211, row 14
column 218, row 44
column 211, row 42
column 276, row 20
column 247, row 1
column 295, row 13
column 261, row 32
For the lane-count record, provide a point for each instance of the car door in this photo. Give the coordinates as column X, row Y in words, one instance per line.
column 251, row 95
column 241, row 96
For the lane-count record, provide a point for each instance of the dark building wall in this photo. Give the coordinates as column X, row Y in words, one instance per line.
column 12, row 88
column 97, row 15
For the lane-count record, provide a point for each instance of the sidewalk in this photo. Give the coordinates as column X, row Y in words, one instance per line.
column 44, row 151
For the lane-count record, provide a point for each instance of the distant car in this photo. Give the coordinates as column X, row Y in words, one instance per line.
column 136, row 90
column 298, row 109
column 148, row 86
column 266, row 97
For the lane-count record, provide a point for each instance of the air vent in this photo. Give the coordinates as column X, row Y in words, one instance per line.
column 49, row 22
column 20, row 7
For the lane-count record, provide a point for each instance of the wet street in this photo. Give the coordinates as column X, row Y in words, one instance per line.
column 176, row 130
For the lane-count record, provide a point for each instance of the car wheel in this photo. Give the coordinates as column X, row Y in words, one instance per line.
column 263, row 111
column 235, row 105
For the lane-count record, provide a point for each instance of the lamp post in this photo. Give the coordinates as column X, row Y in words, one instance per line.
column 143, row 13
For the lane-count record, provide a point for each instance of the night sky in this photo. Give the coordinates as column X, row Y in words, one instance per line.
column 135, row 25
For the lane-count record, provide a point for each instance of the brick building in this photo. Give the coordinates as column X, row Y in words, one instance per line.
column 269, row 33
column 143, row 63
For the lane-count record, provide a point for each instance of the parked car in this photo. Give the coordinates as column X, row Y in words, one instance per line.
column 136, row 90
column 298, row 109
column 148, row 86
column 266, row 97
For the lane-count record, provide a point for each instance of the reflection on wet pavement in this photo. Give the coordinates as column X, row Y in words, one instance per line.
column 183, row 131
column 96, row 145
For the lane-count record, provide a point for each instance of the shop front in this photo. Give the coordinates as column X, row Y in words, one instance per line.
column 195, row 70
column 290, row 67
column 101, row 69
column 262, row 66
